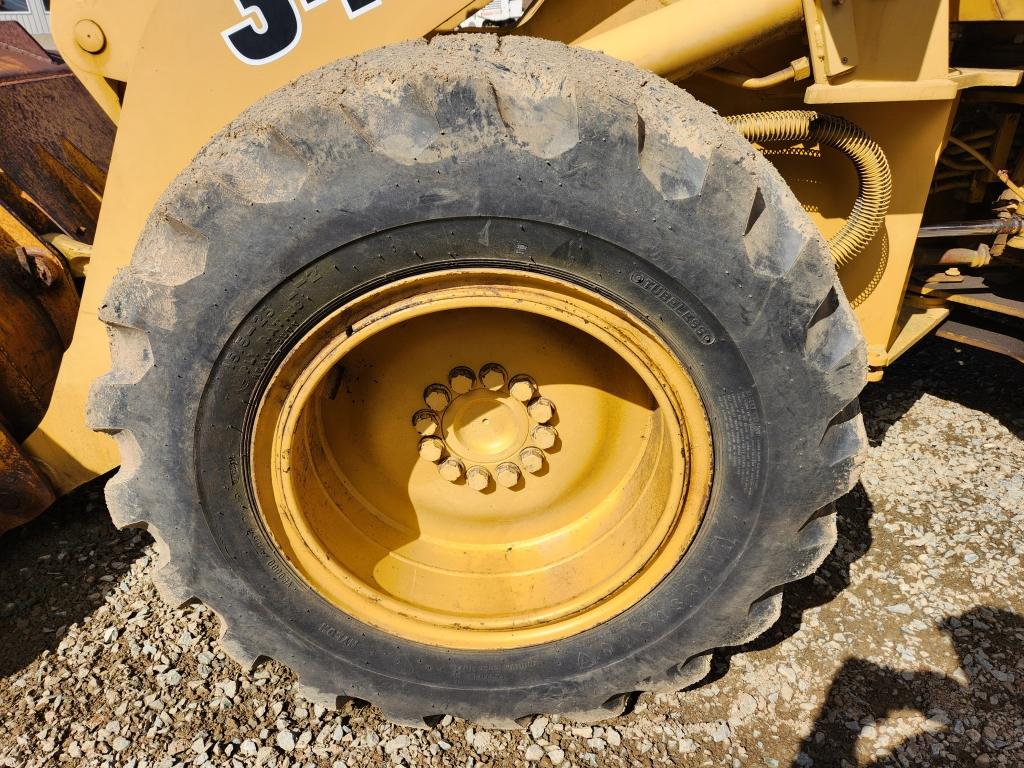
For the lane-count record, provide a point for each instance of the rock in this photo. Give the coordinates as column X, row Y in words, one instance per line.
column 538, row 726
column 482, row 741
column 556, row 756
column 722, row 732
column 397, row 743
column 285, row 740
column 744, row 707
column 534, row 752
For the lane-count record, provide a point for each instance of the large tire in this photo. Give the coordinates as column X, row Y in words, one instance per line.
column 590, row 168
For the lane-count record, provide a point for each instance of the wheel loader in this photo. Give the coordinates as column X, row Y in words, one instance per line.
column 490, row 371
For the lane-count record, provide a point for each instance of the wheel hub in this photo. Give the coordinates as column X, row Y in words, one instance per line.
column 484, row 426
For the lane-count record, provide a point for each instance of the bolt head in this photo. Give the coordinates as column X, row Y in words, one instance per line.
column 431, row 449
column 522, row 388
column 508, row 474
column 493, row 376
column 451, row 469
column 532, row 460
column 89, row 36
column 461, row 379
column 478, row 478
column 426, row 422
column 542, row 410
column 544, row 436
column 437, row 397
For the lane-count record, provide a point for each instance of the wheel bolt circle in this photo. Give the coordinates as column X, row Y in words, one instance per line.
column 544, row 436
column 478, row 478
column 532, row 460
column 451, row 469
column 437, row 397
column 522, row 388
column 431, row 449
column 508, row 474
column 541, row 410
column 461, row 379
column 493, row 376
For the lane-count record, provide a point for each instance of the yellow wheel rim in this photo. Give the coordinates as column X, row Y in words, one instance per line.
column 481, row 459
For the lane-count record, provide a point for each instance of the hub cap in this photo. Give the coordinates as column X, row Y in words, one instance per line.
column 481, row 459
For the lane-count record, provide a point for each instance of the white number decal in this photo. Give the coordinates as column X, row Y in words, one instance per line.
column 272, row 28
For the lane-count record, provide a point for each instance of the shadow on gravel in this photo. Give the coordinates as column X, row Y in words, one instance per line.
column 853, row 517
column 972, row 377
column 56, row 570
column 963, row 712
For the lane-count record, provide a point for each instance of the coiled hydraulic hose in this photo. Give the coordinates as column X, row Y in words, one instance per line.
column 804, row 126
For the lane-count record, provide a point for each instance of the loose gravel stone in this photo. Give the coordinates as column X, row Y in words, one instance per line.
column 538, row 726
column 286, row 741
column 902, row 650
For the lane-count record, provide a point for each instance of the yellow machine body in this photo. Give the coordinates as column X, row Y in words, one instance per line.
column 171, row 73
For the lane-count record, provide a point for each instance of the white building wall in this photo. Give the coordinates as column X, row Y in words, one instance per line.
column 29, row 13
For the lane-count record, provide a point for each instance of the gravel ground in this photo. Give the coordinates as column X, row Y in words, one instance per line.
column 903, row 649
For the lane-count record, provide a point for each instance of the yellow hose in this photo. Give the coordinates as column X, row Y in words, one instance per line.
column 875, row 193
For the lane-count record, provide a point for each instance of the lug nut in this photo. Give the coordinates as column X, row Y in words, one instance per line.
column 437, row 397
column 544, row 436
column 508, row 474
column 532, row 460
column 541, row 410
column 522, row 388
column 493, row 376
column 461, row 379
column 431, row 449
column 451, row 469
column 478, row 478
column 426, row 422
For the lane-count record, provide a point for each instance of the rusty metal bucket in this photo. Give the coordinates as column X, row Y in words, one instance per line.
column 55, row 146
